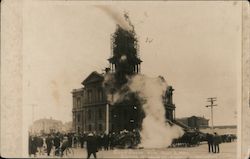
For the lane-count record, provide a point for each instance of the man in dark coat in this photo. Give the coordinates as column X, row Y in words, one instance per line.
column 40, row 144
column 81, row 140
column 217, row 140
column 57, row 144
column 91, row 145
column 210, row 142
column 49, row 144
column 32, row 146
column 112, row 140
column 106, row 141
column 70, row 140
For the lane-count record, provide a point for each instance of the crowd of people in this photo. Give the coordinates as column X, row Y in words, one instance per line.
column 214, row 141
column 56, row 143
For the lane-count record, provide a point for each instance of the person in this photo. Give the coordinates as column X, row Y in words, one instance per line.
column 70, row 139
column 32, row 146
column 57, row 144
column 99, row 140
column 65, row 145
column 49, row 144
column 91, row 145
column 82, row 140
column 75, row 141
column 210, row 142
column 40, row 144
column 112, row 141
column 216, row 141
column 106, row 141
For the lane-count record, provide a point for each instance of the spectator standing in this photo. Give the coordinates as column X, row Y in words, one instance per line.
column 91, row 145
column 49, row 144
column 210, row 142
column 32, row 146
column 57, row 144
column 216, row 141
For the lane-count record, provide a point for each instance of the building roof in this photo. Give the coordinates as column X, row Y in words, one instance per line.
column 77, row 90
column 185, row 118
column 93, row 77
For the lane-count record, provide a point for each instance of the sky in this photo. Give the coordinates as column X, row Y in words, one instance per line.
column 196, row 47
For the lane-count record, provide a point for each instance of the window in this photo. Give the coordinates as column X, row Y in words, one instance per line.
column 100, row 127
column 100, row 95
column 78, row 129
column 78, row 102
column 89, row 95
column 74, row 102
column 100, row 113
column 89, row 114
column 90, row 127
column 78, row 117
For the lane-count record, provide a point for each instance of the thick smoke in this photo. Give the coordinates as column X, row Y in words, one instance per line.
column 126, row 87
column 117, row 17
column 156, row 133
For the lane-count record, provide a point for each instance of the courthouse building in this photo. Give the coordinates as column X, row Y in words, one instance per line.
column 91, row 109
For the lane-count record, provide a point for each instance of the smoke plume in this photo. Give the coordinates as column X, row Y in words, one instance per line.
column 117, row 17
column 156, row 133
column 124, row 86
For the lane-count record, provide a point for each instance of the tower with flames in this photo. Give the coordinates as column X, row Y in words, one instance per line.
column 124, row 63
column 125, row 59
column 89, row 102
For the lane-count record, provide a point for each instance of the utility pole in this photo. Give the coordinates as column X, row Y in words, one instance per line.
column 212, row 100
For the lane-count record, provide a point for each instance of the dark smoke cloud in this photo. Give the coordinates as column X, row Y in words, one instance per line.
column 116, row 16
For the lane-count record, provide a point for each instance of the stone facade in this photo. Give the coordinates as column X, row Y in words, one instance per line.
column 90, row 108
column 89, row 105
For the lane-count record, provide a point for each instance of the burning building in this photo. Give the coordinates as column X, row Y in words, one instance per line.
column 105, row 102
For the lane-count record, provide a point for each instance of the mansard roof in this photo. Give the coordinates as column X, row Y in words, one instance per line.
column 92, row 78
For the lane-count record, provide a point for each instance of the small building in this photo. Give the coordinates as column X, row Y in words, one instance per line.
column 194, row 122
column 50, row 125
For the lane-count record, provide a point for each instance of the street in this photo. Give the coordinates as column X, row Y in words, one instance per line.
column 227, row 151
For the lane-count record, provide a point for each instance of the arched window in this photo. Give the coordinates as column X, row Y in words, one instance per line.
column 78, row 129
column 78, row 102
column 100, row 113
column 100, row 95
column 78, row 117
column 89, row 95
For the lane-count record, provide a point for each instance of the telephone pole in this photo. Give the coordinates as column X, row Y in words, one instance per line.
column 212, row 100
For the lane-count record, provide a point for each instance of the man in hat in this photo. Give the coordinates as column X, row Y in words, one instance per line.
column 210, row 142
column 49, row 143
column 217, row 140
column 91, row 145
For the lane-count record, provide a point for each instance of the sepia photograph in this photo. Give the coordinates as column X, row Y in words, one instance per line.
column 123, row 79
